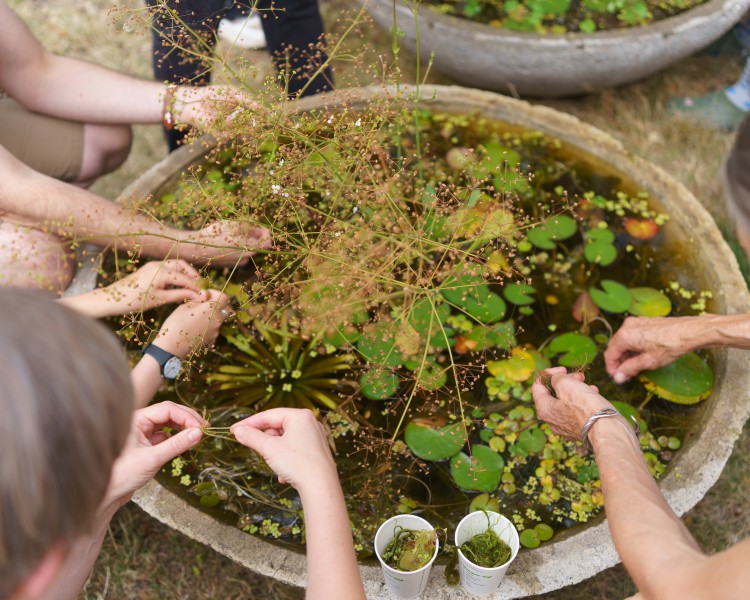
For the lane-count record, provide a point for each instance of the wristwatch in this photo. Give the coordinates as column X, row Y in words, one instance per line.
column 169, row 364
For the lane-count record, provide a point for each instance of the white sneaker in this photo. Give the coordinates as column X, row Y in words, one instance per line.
column 245, row 32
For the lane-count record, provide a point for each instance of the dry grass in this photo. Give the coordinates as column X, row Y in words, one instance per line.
column 143, row 559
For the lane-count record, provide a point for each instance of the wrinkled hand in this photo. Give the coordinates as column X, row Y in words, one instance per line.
column 205, row 107
column 576, row 401
column 154, row 284
column 292, row 442
column 647, row 343
column 148, row 447
column 227, row 243
column 193, row 325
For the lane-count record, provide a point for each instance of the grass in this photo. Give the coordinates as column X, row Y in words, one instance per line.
column 142, row 558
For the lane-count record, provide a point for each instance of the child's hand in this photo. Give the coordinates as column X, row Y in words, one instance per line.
column 293, row 443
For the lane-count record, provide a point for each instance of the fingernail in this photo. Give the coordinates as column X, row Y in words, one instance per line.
column 194, row 434
column 239, row 431
column 620, row 377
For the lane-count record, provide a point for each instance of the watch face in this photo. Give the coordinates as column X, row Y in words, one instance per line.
column 172, row 368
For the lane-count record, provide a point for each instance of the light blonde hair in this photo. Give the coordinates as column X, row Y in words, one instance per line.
column 65, row 407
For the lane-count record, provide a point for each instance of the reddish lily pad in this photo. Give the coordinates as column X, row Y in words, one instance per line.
column 584, row 308
column 613, row 297
column 431, row 443
column 576, row 349
column 641, row 229
column 649, row 302
column 688, row 380
column 480, row 472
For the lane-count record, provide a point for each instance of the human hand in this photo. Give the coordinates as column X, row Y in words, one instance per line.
column 227, row 243
column 575, row 402
column 648, row 343
column 193, row 325
column 293, row 443
column 205, row 106
column 154, row 284
column 149, row 447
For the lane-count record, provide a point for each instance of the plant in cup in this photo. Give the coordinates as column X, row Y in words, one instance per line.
column 487, row 549
column 410, row 549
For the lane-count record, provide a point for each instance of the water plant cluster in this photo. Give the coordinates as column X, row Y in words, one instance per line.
column 563, row 16
column 426, row 267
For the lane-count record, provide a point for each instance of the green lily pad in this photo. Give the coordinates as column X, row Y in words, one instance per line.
column 599, row 247
column 489, row 310
column 554, row 229
column 465, row 288
column 648, row 302
column 577, row 349
column 378, row 346
column 613, row 297
column 520, row 294
column 429, row 375
column 426, row 316
column 688, row 380
column 518, row 367
column 544, row 531
column 532, row 439
column 480, row 472
column 484, row 502
column 500, row 335
column 529, row 538
column 378, row 384
column 435, row 444
column 630, row 412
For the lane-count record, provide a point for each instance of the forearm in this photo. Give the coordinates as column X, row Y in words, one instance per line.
column 332, row 570
column 652, row 542
column 725, row 331
column 146, row 379
column 75, row 570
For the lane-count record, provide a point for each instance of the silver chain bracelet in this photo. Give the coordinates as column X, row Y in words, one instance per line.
column 603, row 414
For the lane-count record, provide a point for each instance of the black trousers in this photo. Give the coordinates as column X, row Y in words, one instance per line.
column 292, row 29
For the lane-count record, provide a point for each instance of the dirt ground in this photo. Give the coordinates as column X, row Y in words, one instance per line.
column 143, row 559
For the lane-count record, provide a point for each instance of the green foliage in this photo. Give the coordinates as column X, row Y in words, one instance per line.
column 410, row 549
column 435, row 444
column 688, row 380
column 481, row 471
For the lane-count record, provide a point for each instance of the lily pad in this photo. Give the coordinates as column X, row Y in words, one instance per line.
column 518, row 367
column 484, row 502
column 378, row 384
column 613, row 297
column 641, row 229
column 378, row 346
column 489, row 310
column 688, row 380
column 520, row 294
column 481, row 471
column 459, row 290
column 576, row 349
column 429, row 375
column 427, row 316
column 544, row 531
column 649, row 302
column 554, row 229
column 435, row 444
column 584, row 308
column 532, row 439
column 500, row 335
column 599, row 247
column 630, row 412
column 529, row 538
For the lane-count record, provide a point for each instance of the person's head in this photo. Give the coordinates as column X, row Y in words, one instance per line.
column 65, row 410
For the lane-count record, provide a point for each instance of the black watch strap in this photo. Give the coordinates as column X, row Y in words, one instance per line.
column 162, row 357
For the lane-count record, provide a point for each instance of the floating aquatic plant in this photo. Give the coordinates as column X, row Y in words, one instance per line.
column 410, row 549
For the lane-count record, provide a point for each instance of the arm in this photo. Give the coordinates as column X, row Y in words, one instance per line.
column 80, row 91
column 658, row 551
column 71, row 212
column 152, row 285
column 148, row 448
column 295, row 446
column 190, row 327
column 648, row 343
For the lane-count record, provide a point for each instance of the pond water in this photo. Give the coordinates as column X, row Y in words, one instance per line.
column 424, row 270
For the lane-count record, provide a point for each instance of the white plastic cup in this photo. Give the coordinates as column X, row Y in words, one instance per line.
column 477, row 580
column 403, row 584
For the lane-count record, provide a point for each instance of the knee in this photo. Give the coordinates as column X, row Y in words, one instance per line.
column 105, row 148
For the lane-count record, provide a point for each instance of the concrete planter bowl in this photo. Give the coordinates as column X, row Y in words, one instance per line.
column 550, row 66
column 574, row 557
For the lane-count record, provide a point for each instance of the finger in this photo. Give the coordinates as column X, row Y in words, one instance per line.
column 540, row 393
column 274, row 418
column 158, row 437
column 183, row 266
column 615, row 354
column 183, row 280
column 634, row 365
column 252, row 438
column 173, row 296
column 172, row 415
column 175, row 445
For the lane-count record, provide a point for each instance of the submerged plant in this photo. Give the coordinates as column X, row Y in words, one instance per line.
column 410, row 549
column 487, row 549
